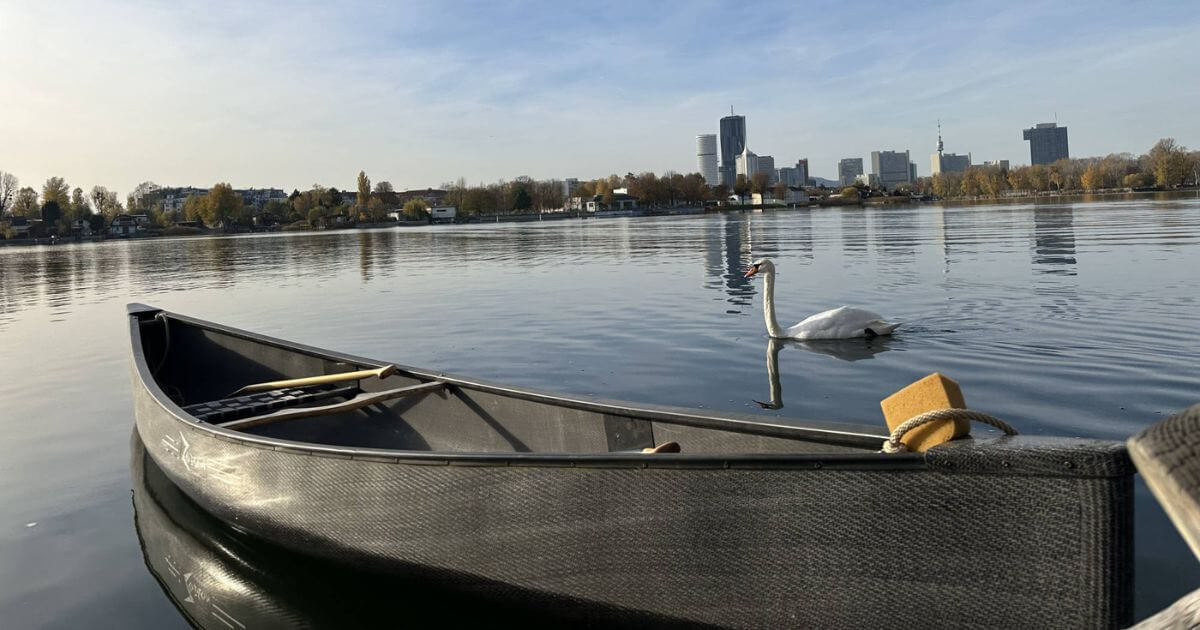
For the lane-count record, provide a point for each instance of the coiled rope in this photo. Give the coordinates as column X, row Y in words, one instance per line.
column 894, row 445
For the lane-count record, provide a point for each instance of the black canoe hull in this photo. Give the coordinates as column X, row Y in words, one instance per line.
column 1014, row 532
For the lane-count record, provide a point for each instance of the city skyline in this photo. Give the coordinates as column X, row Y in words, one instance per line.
column 259, row 96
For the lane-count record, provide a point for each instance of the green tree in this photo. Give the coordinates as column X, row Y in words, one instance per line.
column 79, row 205
column 415, row 209
column 1039, row 178
column 1018, row 179
column 51, row 212
column 384, row 187
column 1138, row 180
column 104, row 201
column 222, row 206
column 193, row 208
column 1170, row 162
column 364, row 190
column 26, row 204
column 375, row 210
column 277, row 208
column 56, row 190
column 850, row 192
column 1091, row 179
column 522, row 200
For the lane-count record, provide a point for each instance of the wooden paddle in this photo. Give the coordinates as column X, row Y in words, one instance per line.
column 382, row 372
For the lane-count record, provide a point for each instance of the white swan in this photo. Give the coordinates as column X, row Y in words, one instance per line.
column 839, row 323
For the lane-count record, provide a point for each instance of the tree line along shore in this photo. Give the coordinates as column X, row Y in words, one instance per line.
column 60, row 211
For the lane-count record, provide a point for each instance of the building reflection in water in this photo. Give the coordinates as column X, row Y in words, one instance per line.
column 727, row 256
column 1054, row 240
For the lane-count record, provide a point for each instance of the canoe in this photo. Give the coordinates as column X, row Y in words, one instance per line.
column 752, row 523
column 218, row 578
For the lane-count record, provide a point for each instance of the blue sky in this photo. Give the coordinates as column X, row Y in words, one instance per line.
column 286, row 95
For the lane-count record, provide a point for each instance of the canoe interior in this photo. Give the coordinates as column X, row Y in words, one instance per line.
column 194, row 363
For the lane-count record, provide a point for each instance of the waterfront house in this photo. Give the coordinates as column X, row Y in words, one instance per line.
column 20, row 227
column 620, row 201
column 81, row 227
column 129, row 224
column 442, row 214
column 795, row 194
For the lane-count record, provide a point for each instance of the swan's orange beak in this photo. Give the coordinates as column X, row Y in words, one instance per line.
column 753, row 270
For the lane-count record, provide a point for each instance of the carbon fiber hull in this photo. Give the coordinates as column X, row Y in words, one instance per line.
column 805, row 527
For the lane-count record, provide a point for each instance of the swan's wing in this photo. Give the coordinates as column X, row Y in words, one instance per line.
column 841, row 323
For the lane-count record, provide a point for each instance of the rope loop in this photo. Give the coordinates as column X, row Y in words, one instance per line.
column 894, row 445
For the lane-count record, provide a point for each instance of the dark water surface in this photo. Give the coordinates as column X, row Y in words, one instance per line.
column 1068, row 319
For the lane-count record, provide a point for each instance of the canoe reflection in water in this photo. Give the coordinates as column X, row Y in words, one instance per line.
column 843, row 349
column 220, row 578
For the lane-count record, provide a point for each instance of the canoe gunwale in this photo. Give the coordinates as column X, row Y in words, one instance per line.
column 854, row 436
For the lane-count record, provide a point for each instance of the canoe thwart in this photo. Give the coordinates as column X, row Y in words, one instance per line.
column 357, row 402
column 325, row 379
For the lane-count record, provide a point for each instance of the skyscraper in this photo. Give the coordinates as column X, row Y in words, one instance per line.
column 706, row 158
column 892, row 168
column 1047, row 143
column 848, row 170
column 790, row 175
column 802, row 167
column 766, row 164
column 733, row 143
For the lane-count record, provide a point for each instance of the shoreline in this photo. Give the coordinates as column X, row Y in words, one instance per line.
column 1102, row 196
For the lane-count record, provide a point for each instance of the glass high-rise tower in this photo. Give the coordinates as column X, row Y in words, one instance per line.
column 733, row 143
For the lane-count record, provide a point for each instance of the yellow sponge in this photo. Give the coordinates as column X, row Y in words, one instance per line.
column 932, row 392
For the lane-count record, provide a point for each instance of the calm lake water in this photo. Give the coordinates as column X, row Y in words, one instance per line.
column 1064, row 319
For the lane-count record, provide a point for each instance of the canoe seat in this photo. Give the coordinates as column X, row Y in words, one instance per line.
column 215, row 411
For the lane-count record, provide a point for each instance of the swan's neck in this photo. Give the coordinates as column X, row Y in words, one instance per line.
column 773, row 327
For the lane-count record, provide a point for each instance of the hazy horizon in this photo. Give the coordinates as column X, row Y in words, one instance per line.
column 425, row 93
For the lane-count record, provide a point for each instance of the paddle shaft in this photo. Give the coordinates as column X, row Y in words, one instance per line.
column 325, row 379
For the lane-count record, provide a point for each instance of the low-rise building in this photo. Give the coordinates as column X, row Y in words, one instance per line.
column 870, row 180
column 795, row 194
column 21, row 227
column 620, row 201
column 258, row 198
column 128, row 224
column 442, row 214
column 949, row 163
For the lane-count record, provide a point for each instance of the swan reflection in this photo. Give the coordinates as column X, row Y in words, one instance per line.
column 842, row 349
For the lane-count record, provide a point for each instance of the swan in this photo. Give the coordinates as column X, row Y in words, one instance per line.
column 839, row 323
